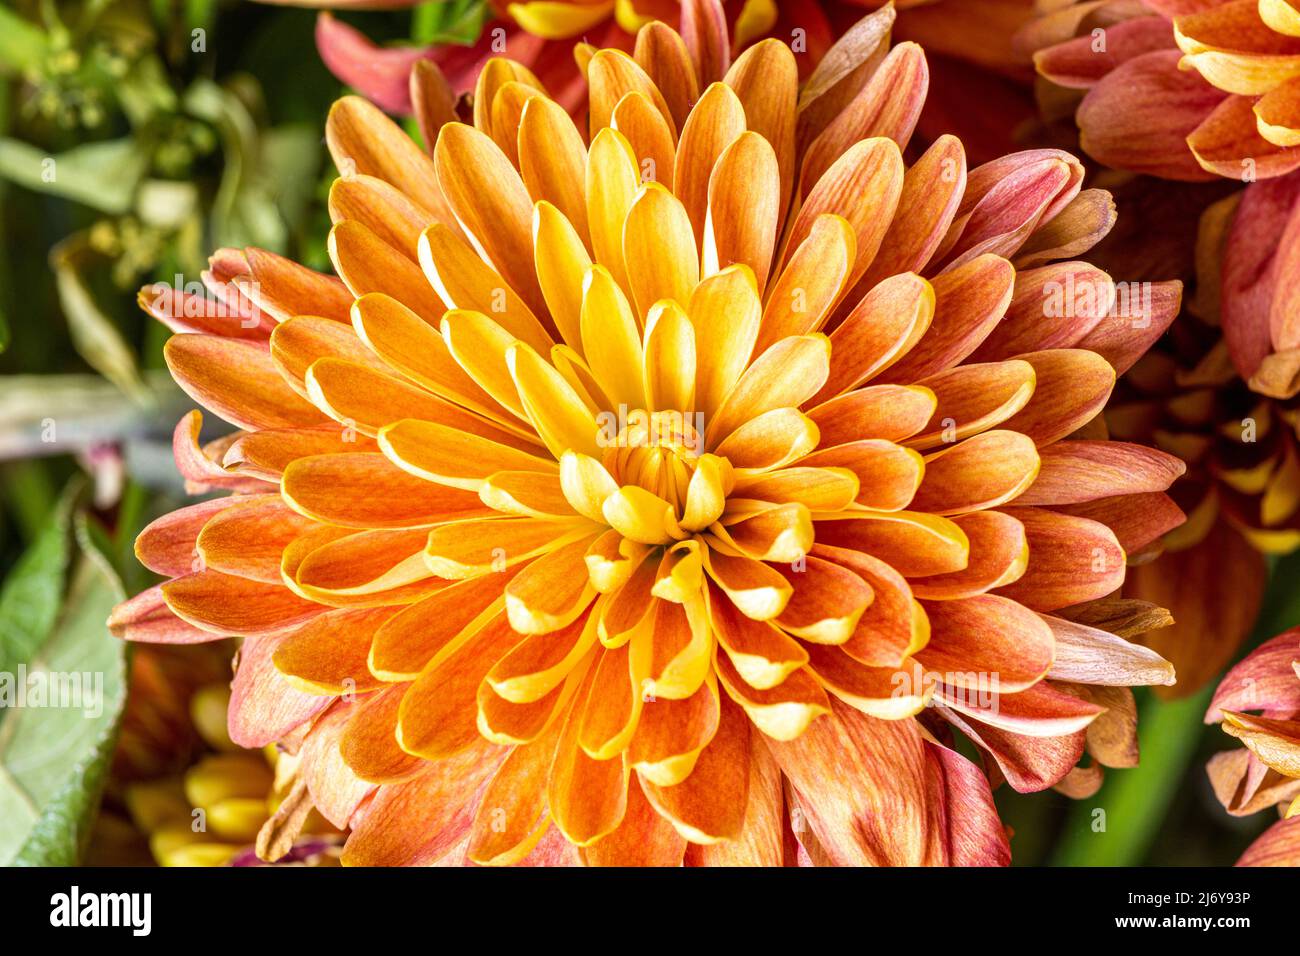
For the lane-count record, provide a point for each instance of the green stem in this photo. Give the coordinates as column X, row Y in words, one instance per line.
column 1135, row 802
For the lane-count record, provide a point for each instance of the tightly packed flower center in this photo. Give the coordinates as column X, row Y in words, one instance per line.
column 656, row 451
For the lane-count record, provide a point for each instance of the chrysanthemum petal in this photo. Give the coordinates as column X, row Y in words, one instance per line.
column 913, row 543
column 1071, row 560
column 642, row 838
column 372, row 567
column 363, row 398
column 437, row 716
column 365, row 490
column 465, row 549
column 932, row 189
column 710, row 804
column 983, row 471
column 783, row 711
column 972, row 638
column 464, row 281
column 612, row 183
column 894, row 626
column 167, row 545
column 889, row 412
column 999, row 553
column 412, row 346
column 670, row 358
column 328, row 654
column 881, row 780
column 880, row 692
column 725, row 311
column 492, row 205
column 436, row 806
column 552, row 591
column 383, row 209
column 452, row 456
column 1073, row 386
column 511, row 816
column 888, row 105
column 888, row 474
column 369, row 742
column 300, row 342
column 782, row 533
column 714, row 123
column 969, row 300
column 367, row 264
column 880, row 330
column 770, row 441
column 671, row 734
column 1076, row 471
column 649, row 135
column 973, row 398
column 766, row 80
column 784, row 376
column 811, row 282
column 226, row 604
column 561, row 418
column 587, row 797
column 264, row 706
column 1089, row 655
column 362, row 139
column 248, row 537
column 562, row 261
column 826, row 603
column 818, row 489
column 236, row 380
column 863, row 185
column 662, row 53
column 659, row 249
column 743, row 207
column 612, row 74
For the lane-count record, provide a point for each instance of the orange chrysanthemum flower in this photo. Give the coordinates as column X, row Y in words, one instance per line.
column 1186, row 90
column 1267, row 772
column 626, row 500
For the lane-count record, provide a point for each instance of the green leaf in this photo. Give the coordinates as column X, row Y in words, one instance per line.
column 94, row 335
column 23, row 45
column 100, row 175
column 146, row 92
column 457, row 21
column 54, row 756
column 29, row 602
column 1135, row 801
column 291, row 162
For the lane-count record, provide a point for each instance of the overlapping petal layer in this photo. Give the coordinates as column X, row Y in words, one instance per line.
column 1194, row 396
column 1180, row 90
column 636, row 480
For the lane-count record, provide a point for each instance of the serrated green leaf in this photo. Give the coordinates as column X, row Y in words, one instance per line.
column 54, row 752
column 29, row 602
column 59, row 756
